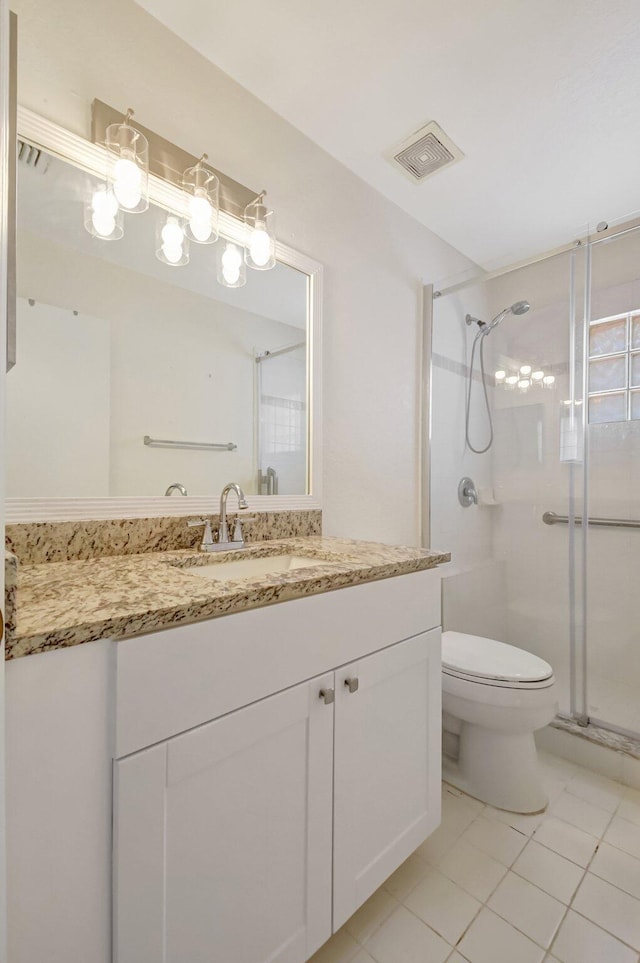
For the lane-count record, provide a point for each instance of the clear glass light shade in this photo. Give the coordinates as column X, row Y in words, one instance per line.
column 525, row 370
column 128, row 167
column 202, row 189
column 102, row 215
column 511, row 381
column 500, row 375
column 548, row 381
column 260, row 244
column 172, row 243
column 231, row 268
column 524, row 384
column 537, row 376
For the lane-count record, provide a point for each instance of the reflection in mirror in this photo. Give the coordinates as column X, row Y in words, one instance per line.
column 114, row 345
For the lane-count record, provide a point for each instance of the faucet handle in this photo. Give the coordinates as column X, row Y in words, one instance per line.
column 207, row 535
column 237, row 529
column 196, row 522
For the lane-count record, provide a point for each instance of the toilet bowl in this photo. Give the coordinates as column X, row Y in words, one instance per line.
column 494, row 697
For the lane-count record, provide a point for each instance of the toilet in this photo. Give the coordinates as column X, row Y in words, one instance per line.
column 494, row 697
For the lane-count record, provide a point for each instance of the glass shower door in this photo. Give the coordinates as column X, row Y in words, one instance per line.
column 612, row 570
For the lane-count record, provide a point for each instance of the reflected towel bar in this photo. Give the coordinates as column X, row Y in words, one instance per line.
column 550, row 518
column 193, row 445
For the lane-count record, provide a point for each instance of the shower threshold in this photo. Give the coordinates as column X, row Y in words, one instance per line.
column 599, row 734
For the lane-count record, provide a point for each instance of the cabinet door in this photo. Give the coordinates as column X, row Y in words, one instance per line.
column 387, row 760
column 223, row 838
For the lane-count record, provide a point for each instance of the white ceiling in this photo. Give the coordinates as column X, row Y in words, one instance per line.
column 542, row 97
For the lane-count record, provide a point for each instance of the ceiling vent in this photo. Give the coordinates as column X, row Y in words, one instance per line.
column 423, row 153
column 33, row 157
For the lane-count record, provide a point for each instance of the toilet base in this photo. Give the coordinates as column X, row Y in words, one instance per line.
column 498, row 768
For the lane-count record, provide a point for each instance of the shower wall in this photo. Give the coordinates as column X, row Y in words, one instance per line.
column 473, row 584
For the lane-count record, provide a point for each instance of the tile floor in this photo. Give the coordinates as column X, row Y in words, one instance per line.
column 492, row 887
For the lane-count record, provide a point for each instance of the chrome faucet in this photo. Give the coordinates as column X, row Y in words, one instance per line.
column 176, row 487
column 223, row 528
column 223, row 542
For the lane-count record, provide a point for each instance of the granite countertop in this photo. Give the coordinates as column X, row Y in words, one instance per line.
column 60, row 604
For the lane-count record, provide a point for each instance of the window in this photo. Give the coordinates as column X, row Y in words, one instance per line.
column 614, row 369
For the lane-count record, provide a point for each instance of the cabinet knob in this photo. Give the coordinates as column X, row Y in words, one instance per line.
column 328, row 696
column 352, row 684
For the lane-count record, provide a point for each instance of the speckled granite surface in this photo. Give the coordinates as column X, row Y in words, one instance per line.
column 10, row 589
column 38, row 542
column 68, row 603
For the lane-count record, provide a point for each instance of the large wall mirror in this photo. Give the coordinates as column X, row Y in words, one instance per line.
column 133, row 375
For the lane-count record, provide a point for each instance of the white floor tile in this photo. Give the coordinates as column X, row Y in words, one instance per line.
column 363, row 957
column 624, row 835
column 371, row 915
column 406, row 876
column 524, row 823
column 580, row 941
column 630, row 807
column 341, row 948
column 472, row 869
column 456, row 958
column 474, row 804
column 610, row 908
column 591, row 819
column 526, row 907
column 496, row 839
column 568, row 841
column 492, row 940
column 443, row 905
column 403, row 938
column 618, row 868
column 596, row 789
column 551, row 872
column 458, row 812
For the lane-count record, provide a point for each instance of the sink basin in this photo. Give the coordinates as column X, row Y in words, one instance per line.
column 240, row 568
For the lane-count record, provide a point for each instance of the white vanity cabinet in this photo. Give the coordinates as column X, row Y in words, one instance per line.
column 253, row 836
column 223, row 837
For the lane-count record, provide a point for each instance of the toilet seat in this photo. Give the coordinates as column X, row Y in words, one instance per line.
column 492, row 663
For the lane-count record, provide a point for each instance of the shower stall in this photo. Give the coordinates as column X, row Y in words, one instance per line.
column 549, row 558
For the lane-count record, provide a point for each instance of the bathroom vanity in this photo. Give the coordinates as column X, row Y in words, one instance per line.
column 272, row 764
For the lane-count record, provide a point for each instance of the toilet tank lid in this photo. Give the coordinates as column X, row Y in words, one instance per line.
column 490, row 659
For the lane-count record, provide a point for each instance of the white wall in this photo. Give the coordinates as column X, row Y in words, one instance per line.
column 58, row 405
column 376, row 257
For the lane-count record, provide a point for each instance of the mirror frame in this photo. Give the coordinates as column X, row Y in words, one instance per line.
column 89, row 157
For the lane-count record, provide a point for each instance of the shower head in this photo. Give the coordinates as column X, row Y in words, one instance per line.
column 520, row 307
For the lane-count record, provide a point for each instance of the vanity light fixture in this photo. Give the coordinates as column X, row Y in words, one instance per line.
column 548, row 381
column 128, row 165
column 260, row 246
column 537, row 376
column 500, row 376
column 202, row 188
column 173, row 244
column 232, row 272
column 102, row 214
column 511, row 381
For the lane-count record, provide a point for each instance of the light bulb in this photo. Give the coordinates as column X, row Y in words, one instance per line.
column 172, row 252
column 548, row 380
column 104, row 208
column 500, row 375
column 525, row 370
column 231, row 261
column 200, row 211
column 172, row 234
column 260, row 246
column 524, row 384
column 127, row 183
column 537, row 375
column 512, row 380
column 103, row 224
